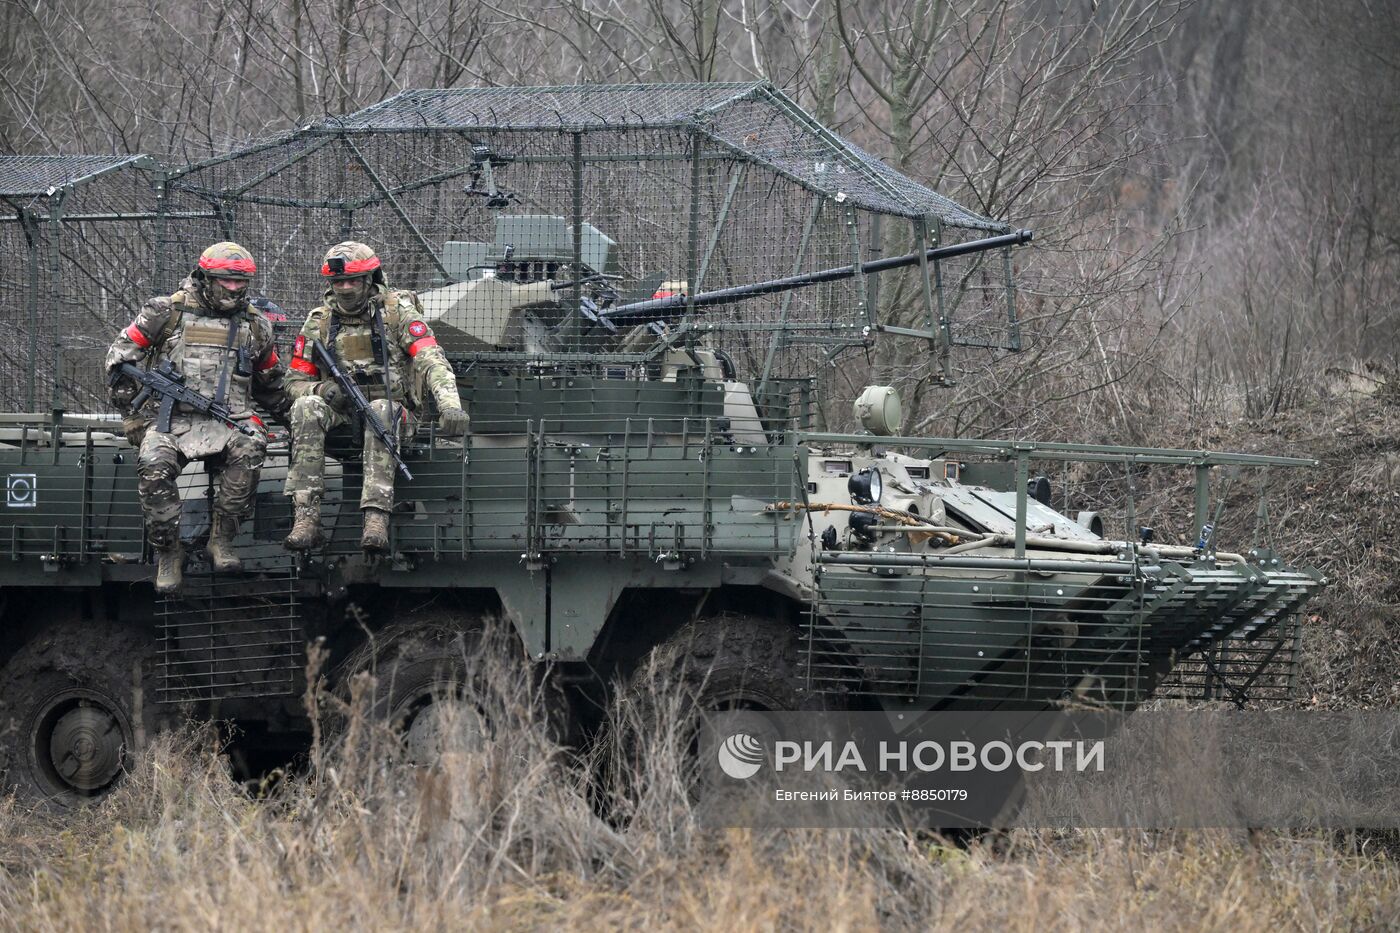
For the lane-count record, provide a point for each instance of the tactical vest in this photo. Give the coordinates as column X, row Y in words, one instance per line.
column 200, row 348
column 360, row 351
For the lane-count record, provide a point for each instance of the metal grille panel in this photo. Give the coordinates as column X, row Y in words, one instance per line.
column 229, row 636
column 1241, row 668
column 971, row 640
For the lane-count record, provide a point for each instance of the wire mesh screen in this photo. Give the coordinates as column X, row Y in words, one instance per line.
column 1257, row 665
column 984, row 643
column 537, row 224
column 79, row 240
column 70, row 493
column 560, row 223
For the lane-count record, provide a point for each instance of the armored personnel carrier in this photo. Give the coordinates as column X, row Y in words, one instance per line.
column 644, row 291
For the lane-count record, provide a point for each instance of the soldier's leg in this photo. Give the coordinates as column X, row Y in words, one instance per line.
column 311, row 418
column 242, row 464
column 377, row 494
column 158, row 464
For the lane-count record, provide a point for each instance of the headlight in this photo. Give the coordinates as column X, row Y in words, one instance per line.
column 865, row 487
column 863, row 526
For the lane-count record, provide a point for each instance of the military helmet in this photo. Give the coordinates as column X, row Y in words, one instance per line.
column 350, row 260
column 226, row 260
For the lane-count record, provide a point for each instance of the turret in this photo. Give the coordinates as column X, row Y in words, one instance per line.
column 507, row 295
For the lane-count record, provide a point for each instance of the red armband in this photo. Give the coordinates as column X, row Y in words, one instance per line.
column 417, row 345
column 269, row 361
column 300, row 363
column 134, row 334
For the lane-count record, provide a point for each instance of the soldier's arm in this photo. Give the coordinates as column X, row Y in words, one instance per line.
column 430, row 367
column 303, row 376
column 143, row 335
column 269, row 372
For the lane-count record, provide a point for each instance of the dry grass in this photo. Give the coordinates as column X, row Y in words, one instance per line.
column 179, row 847
column 501, row 833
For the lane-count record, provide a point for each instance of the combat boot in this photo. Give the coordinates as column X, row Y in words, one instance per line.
column 306, row 523
column 221, row 555
column 170, row 565
column 376, row 534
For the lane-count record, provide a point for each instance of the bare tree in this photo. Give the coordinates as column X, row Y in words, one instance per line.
column 1033, row 113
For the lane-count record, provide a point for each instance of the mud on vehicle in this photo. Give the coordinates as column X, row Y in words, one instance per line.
column 645, row 292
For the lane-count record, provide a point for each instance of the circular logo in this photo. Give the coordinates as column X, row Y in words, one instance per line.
column 418, row 328
column 740, row 756
column 20, row 491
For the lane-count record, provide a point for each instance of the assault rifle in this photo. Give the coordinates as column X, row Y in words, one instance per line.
column 322, row 357
column 168, row 383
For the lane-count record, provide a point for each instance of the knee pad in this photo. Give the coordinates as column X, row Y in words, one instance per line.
column 308, row 412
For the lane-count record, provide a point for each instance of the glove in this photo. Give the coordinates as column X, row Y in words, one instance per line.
column 122, row 393
column 452, row 422
column 333, row 395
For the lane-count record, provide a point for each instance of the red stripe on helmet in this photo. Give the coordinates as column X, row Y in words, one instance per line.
column 134, row 334
column 269, row 362
column 417, row 345
column 304, row 366
column 243, row 266
column 358, row 267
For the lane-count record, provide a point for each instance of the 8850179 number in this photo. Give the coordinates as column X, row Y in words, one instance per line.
column 935, row 794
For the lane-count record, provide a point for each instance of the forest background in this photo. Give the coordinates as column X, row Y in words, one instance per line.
column 1212, row 186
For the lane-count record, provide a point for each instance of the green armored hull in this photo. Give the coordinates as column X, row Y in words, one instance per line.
column 577, row 498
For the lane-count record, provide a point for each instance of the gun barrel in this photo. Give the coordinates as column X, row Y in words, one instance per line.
column 653, row 308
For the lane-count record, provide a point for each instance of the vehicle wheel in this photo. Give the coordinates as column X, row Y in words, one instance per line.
column 69, row 715
column 417, row 668
column 729, row 662
column 721, row 664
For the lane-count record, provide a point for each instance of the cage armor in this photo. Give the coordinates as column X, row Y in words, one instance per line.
column 204, row 345
column 417, row 365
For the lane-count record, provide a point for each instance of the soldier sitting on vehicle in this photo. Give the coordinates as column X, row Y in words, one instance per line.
column 379, row 338
column 222, row 349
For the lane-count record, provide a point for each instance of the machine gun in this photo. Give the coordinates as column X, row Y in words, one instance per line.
column 320, row 356
column 652, row 309
column 168, row 383
column 522, row 306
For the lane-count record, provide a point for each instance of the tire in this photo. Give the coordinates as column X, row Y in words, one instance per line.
column 720, row 664
column 729, row 662
column 69, row 719
column 415, row 666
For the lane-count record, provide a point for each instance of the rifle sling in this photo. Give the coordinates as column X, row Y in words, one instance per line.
column 221, row 392
column 380, row 349
column 378, row 331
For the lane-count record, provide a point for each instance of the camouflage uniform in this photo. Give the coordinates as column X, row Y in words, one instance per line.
column 191, row 329
column 417, row 368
